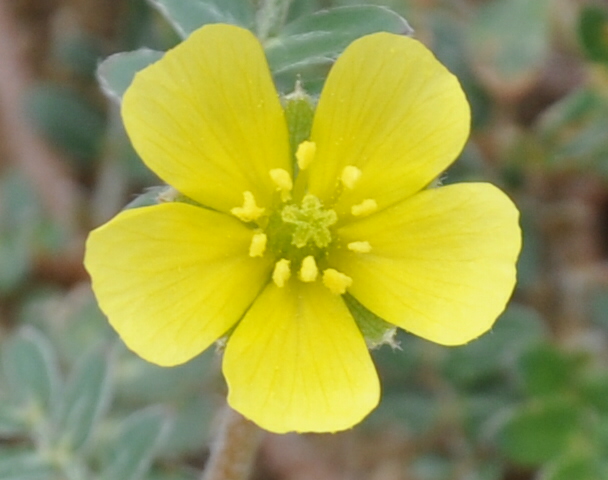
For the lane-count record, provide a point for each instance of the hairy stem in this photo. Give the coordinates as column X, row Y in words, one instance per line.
column 234, row 449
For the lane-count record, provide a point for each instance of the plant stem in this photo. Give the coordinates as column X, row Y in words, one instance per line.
column 233, row 451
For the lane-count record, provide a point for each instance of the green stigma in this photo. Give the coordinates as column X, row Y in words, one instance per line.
column 310, row 222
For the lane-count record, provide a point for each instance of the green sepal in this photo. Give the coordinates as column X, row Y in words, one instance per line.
column 376, row 331
column 160, row 194
column 299, row 112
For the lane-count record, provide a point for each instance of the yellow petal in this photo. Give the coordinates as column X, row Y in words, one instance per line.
column 207, row 119
column 173, row 278
column 391, row 110
column 442, row 264
column 297, row 362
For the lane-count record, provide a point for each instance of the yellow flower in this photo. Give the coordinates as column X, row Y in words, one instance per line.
column 267, row 254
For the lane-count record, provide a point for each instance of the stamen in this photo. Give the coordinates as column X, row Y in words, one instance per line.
column 258, row 245
column 364, row 208
column 282, row 180
column 359, row 247
column 281, row 272
column 309, row 269
column 336, row 281
column 306, row 154
column 350, row 176
column 249, row 211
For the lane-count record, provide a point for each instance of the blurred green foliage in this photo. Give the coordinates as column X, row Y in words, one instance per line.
column 529, row 400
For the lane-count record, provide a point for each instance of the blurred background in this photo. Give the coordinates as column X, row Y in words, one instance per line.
column 527, row 401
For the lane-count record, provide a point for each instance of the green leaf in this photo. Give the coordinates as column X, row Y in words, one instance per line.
column 480, row 410
column 24, row 465
column 573, row 108
column 311, row 74
column 594, row 390
column 192, row 425
column 573, row 129
column 13, row 420
column 493, row 355
column 489, row 470
column 530, row 261
column 31, row 373
column 599, row 307
column 116, row 72
column 20, row 218
column 320, row 37
column 509, row 40
column 539, row 431
column 15, row 261
column 79, row 52
column 575, row 467
column 67, row 119
column 86, row 397
column 139, row 381
column 432, row 467
column 546, row 370
column 187, row 16
column 592, row 28
column 419, row 412
column 136, row 445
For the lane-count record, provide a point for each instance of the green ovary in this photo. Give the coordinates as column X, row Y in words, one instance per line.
column 298, row 230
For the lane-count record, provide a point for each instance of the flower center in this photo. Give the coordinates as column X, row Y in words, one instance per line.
column 295, row 232
column 298, row 235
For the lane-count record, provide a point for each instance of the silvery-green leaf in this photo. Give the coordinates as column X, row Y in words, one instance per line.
column 24, row 465
column 116, row 72
column 30, row 371
column 85, row 399
column 134, row 449
column 188, row 15
column 325, row 34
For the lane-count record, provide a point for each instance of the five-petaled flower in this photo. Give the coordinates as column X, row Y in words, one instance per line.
column 268, row 247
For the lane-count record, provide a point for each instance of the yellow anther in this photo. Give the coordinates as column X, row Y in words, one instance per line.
column 308, row 270
column 258, row 245
column 350, row 175
column 281, row 272
column 306, row 154
column 360, row 247
column 364, row 208
column 249, row 211
column 336, row 281
column 282, row 180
